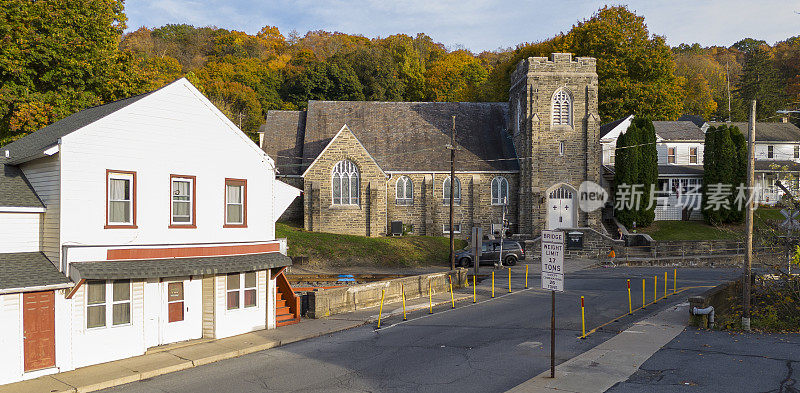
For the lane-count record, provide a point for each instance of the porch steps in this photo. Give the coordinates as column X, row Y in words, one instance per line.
column 286, row 304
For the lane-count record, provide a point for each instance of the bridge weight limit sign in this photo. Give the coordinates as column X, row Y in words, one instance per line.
column 553, row 280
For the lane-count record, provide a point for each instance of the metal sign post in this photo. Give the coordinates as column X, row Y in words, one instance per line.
column 553, row 279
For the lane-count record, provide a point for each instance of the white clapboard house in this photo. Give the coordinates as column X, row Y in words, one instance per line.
column 134, row 224
column 680, row 145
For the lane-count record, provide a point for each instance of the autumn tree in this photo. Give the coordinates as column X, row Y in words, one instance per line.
column 635, row 69
column 58, row 57
column 455, row 77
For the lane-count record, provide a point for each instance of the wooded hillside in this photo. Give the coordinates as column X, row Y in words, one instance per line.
column 52, row 66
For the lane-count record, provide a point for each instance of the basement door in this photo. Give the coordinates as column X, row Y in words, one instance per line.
column 179, row 313
column 39, row 330
column 560, row 208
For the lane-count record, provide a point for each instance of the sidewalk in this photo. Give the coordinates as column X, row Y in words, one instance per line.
column 614, row 360
column 187, row 355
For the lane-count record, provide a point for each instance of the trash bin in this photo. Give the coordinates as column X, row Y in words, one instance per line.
column 575, row 240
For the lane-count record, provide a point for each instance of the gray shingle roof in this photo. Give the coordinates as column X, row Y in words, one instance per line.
column 766, row 165
column 22, row 270
column 606, row 128
column 678, row 131
column 697, row 120
column 778, row 132
column 15, row 191
column 173, row 267
column 401, row 136
column 283, row 139
column 680, row 170
column 31, row 146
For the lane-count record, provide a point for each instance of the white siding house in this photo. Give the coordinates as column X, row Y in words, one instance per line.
column 162, row 213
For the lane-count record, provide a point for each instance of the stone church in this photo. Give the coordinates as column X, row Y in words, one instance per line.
column 378, row 168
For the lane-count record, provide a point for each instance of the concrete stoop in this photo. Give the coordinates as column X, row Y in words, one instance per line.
column 613, row 361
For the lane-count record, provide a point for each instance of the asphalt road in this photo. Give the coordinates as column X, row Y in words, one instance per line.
column 490, row 346
column 715, row 361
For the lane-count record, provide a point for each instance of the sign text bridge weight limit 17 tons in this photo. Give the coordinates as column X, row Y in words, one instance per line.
column 553, row 280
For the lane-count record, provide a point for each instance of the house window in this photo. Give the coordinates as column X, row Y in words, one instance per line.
column 98, row 293
column 693, row 155
column 446, row 228
column 345, row 183
column 770, row 151
column 241, row 286
column 121, row 198
column 446, row 191
column 404, row 191
column 182, row 209
column 499, row 191
column 561, row 148
column 562, row 108
column 671, row 155
column 235, row 203
column 796, row 152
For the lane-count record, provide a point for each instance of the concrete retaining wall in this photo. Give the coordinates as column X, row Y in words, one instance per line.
column 328, row 302
column 721, row 297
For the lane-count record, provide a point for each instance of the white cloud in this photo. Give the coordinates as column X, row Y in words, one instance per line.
column 477, row 24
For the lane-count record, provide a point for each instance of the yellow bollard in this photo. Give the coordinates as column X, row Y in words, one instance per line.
column 430, row 298
column 403, row 292
column 675, row 281
column 583, row 321
column 630, row 306
column 380, row 310
column 526, row 276
column 643, row 290
column 665, row 285
column 509, row 280
column 492, row 284
column 452, row 299
column 655, row 289
column 474, row 291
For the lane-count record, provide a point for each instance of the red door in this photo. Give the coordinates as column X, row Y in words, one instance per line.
column 39, row 329
column 175, row 301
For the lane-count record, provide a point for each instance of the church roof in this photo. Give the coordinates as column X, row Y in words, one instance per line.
column 400, row 136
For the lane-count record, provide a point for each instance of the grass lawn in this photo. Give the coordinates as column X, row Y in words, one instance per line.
column 334, row 250
column 699, row 230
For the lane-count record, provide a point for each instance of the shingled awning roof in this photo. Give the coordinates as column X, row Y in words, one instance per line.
column 400, row 136
column 29, row 271
column 777, row 132
column 15, row 191
column 174, row 267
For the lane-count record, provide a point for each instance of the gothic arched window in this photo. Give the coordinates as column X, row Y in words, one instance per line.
column 446, row 191
column 499, row 191
column 344, row 183
column 404, row 191
column 562, row 108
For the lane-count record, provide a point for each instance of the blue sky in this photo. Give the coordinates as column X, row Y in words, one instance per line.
column 475, row 24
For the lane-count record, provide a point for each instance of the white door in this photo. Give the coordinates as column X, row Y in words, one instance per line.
column 181, row 312
column 560, row 209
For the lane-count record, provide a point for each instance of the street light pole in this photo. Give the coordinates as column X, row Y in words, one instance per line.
column 452, row 148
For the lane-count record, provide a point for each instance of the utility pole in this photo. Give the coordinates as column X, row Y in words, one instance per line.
column 751, row 158
column 452, row 148
column 728, row 81
column 502, row 230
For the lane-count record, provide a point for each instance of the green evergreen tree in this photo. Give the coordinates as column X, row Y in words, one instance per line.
column 647, row 168
column 760, row 81
column 710, row 175
column 740, row 172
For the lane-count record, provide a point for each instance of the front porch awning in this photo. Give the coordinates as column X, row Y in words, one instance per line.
column 175, row 267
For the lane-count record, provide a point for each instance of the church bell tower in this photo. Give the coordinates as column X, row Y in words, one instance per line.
column 554, row 124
